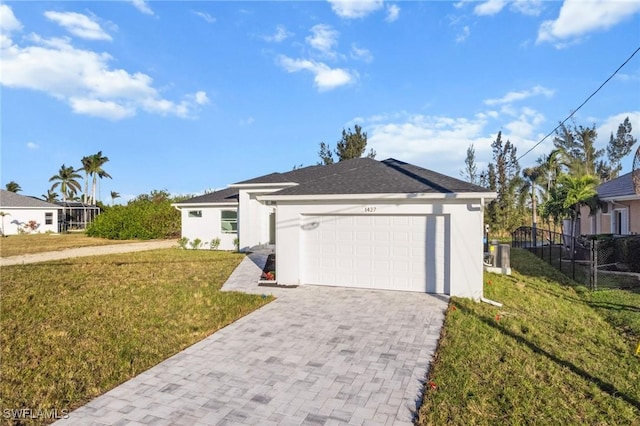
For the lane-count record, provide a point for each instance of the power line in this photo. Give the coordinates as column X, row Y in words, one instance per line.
column 582, row 104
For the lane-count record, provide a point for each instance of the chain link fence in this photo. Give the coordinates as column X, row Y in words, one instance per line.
column 597, row 261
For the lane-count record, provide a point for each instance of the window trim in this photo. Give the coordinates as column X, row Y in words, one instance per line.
column 228, row 222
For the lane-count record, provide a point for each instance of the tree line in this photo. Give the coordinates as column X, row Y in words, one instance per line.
column 66, row 183
column 557, row 185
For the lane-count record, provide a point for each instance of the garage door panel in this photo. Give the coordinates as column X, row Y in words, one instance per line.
column 384, row 252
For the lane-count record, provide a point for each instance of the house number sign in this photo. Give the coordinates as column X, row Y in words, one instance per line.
column 369, row 209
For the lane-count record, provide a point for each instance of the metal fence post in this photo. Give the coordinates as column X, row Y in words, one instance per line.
column 595, row 264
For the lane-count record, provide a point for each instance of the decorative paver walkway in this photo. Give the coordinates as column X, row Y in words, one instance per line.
column 316, row 356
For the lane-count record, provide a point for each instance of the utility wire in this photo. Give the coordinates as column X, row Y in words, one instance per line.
column 582, row 104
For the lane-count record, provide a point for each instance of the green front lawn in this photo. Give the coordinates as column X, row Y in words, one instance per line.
column 553, row 354
column 73, row 329
column 13, row 245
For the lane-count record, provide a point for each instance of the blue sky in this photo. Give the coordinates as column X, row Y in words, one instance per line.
column 190, row 96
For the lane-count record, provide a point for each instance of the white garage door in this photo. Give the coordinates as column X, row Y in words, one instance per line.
column 381, row 252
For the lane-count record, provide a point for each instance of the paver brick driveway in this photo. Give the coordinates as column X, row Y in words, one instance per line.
column 316, row 355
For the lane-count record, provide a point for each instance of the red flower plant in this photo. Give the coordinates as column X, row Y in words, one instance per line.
column 433, row 386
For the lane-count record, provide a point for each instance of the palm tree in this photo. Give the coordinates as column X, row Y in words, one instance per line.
column 50, row 196
column 86, row 165
column 114, row 195
column 13, row 187
column 67, row 180
column 532, row 176
column 579, row 191
column 92, row 166
column 551, row 168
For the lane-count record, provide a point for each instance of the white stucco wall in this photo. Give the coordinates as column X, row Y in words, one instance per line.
column 253, row 223
column 16, row 218
column 464, row 229
column 207, row 227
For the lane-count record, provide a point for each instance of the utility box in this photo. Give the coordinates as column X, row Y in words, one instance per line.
column 500, row 258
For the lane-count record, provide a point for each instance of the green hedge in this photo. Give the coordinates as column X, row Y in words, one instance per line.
column 145, row 218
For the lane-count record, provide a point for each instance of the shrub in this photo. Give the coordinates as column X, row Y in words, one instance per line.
column 182, row 243
column 215, row 243
column 195, row 244
column 147, row 217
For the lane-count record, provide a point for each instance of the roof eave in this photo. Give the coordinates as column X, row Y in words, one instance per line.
column 206, row 204
column 630, row 197
column 262, row 185
column 402, row 196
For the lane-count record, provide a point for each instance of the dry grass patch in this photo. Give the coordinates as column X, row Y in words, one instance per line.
column 546, row 357
column 73, row 329
column 14, row 245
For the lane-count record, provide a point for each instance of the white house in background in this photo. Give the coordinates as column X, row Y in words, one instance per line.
column 357, row 223
column 27, row 214
column 620, row 211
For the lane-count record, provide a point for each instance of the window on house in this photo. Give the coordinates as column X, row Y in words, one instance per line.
column 48, row 218
column 229, row 221
column 195, row 213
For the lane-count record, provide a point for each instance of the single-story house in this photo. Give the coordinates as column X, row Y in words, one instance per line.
column 356, row 223
column 21, row 214
column 620, row 209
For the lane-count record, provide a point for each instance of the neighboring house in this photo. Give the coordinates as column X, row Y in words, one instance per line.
column 356, row 223
column 620, row 211
column 27, row 214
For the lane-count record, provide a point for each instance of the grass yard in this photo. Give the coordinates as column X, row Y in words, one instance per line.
column 13, row 245
column 73, row 329
column 553, row 354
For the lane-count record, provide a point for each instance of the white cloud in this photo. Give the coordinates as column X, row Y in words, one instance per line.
column 78, row 24
column 464, row 34
column 440, row 142
column 361, row 54
column 102, row 109
column 518, row 96
column 325, row 77
column 324, row 39
column 351, row 9
column 393, row 12
column 32, row 145
column 142, row 6
column 247, row 122
column 8, row 21
column 611, row 124
column 85, row 80
column 578, row 18
column 527, row 7
column 490, row 7
column 280, row 35
column 204, row 15
column 201, row 98
column 435, row 142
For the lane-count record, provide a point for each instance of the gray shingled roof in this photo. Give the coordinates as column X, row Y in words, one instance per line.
column 619, row 187
column 356, row 176
column 10, row 199
column 227, row 195
column 368, row 176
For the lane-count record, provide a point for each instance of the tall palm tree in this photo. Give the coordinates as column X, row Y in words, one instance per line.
column 529, row 187
column 86, row 165
column 13, row 187
column 67, row 180
column 94, row 169
column 551, row 168
column 114, row 195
